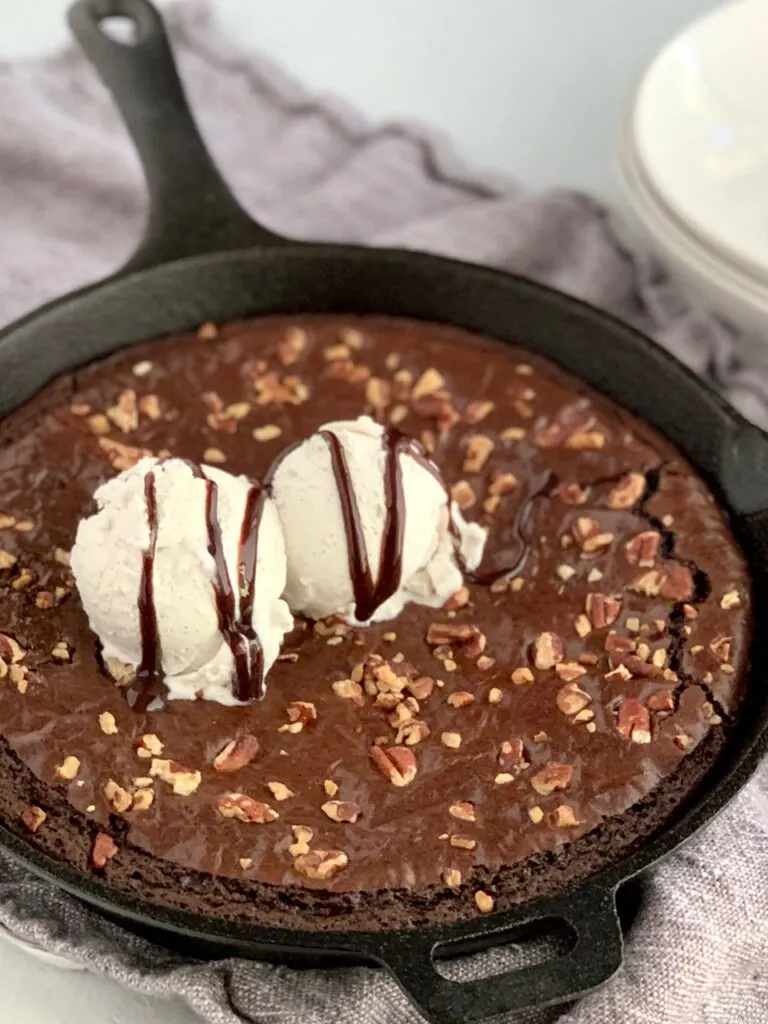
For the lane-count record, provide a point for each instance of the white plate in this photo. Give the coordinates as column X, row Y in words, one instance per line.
column 700, row 130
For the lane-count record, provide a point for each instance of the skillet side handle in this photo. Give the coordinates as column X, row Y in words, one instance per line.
column 594, row 958
column 192, row 211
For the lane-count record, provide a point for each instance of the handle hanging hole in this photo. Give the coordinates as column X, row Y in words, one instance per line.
column 120, row 29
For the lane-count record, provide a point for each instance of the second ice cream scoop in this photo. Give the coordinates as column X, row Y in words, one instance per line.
column 368, row 524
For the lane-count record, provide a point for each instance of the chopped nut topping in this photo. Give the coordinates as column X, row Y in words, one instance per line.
column 522, row 675
column 512, row 755
column 513, row 434
column 461, row 699
column 236, row 754
column 627, row 492
column 245, row 863
column 458, row 600
column 104, row 849
column 149, row 406
column 98, row 424
column 570, row 670
column 634, row 720
column 494, row 695
column 61, row 652
column 452, row 878
column 477, row 411
column 464, row 810
column 10, row 650
column 462, row 842
column 563, row 817
column 720, row 646
column 582, row 626
column 330, row 787
column 565, row 572
column 463, row 494
column 661, row 701
column 122, row 456
column 269, row 432
column 107, row 723
column 302, row 711
column 471, row 639
column 585, row 440
column 548, row 650
column 124, row 413
column 551, row 777
column 214, row 456
column 502, row 483
column 245, row 808
column 151, row 744
column 302, row 838
column 119, row 799
column 484, row 902
column 341, row 811
column 44, row 599
column 451, row 740
column 730, row 600
column 207, row 331
column 683, row 740
column 536, row 814
column 571, row 699
column 270, row 388
column 68, row 768
column 643, row 548
column 280, row 791
column 337, row 352
column 291, row 727
column 289, row 349
column 602, row 610
column 572, row 494
column 348, row 689
column 503, row 778
column 143, row 799
column 428, row 383
column 678, row 584
column 421, row 688
column 321, row 864
column 541, row 737
column 398, row 764
column 33, row 817
column 479, row 448
column 181, row 779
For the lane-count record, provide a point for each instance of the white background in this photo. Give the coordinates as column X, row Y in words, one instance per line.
column 531, row 88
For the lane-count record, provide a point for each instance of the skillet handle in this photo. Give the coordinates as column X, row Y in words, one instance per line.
column 594, row 958
column 192, row 211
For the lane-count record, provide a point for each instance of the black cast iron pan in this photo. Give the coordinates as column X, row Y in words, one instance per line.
column 203, row 259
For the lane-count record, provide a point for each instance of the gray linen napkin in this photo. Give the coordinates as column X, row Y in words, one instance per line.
column 72, row 205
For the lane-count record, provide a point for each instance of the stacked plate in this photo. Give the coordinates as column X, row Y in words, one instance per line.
column 693, row 160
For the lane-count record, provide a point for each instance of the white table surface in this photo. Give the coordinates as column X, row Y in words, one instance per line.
column 538, row 96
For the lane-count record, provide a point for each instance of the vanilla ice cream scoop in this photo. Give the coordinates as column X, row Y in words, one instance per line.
column 368, row 524
column 181, row 572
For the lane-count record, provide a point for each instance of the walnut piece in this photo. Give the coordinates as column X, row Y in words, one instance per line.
column 236, row 754
column 398, row 764
column 551, row 777
column 245, row 808
column 103, row 850
column 321, row 864
column 547, row 650
column 341, row 810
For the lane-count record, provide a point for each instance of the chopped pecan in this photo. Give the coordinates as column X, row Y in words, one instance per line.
column 398, row 764
column 124, row 414
column 522, row 675
column 536, row 814
column 502, row 483
column 663, row 700
column 512, row 755
column 349, row 690
column 236, row 754
column 280, row 791
column 103, row 850
column 570, row 670
column 412, row 733
column 648, row 583
column 122, row 456
column 586, row 440
column 463, row 494
column 461, row 699
column 181, row 779
column 563, row 817
column 478, row 410
column 464, row 810
column 150, row 745
column 119, row 799
column 143, row 800
column 678, row 584
column 548, row 650
column 643, row 548
column 462, row 842
column 302, row 711
column 452, row 878
column 602, row 609
column 571, row 699
column 627, row 492
column 615, row 643
column 245, row 808
column 730, row 600
column 269, row 432
column 551, row 777
column 10, row 650
column 290, row 347
column 458, row 600
column 478, row 450
column 7, row 560
column 720, row 646
column 341, row 810
column 33, row 817
column 452, row 740
column 633, row 720
column 484, row 902
column 68, row 768
column 321, row 864
column 572, row 493
column 302, row 836
column 428, row 383
column 378, row 392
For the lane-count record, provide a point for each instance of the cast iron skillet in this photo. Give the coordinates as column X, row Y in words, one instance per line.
column 203, row 259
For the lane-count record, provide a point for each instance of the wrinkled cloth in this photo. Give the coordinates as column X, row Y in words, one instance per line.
column 72, row 205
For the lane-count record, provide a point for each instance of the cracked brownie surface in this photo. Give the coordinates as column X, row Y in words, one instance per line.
column 557, row 711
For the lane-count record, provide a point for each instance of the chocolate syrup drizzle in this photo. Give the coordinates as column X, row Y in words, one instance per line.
column 370, row 593
column 235, row 626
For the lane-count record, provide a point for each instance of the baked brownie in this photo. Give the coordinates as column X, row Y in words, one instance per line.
column 557, row 711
